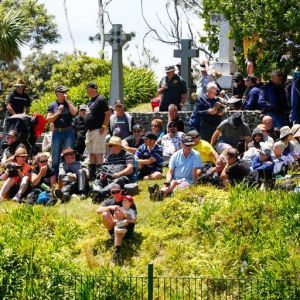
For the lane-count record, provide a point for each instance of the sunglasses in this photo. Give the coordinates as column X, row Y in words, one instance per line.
column 43, row 161
column 136, row 131
column 22, row 156
column 154, row 125
column 115, row 192
column 172, row 126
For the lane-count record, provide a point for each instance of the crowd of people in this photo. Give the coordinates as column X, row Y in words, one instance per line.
column 98, row 150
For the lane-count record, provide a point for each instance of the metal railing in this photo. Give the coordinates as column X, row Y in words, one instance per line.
column 58, row 286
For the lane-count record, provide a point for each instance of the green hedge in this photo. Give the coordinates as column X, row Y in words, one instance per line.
column 139, row 87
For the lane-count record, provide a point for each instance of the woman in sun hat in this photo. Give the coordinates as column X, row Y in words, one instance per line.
column 286, row 136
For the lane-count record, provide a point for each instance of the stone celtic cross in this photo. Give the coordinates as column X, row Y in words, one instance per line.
column 117, row 39
column 186, row 54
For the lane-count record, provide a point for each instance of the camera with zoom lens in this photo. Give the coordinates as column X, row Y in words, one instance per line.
column 12, row 169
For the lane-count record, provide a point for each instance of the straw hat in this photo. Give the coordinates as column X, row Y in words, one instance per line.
column 20, row 82
column 285, row 131
column 115, row 141
column 21, row 152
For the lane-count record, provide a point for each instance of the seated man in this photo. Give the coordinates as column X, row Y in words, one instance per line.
column 173, row 116
column 207, row 153
column 11, row 144
column 264, row 165
column 170, row 142
column 230, row 133
column 182, row 171
column 117, row 168
column 281, row 162
column 149, row 158
column 112, row 209
column 121, row 122
column 236, row 169
column 73, row 177
column 134, row 141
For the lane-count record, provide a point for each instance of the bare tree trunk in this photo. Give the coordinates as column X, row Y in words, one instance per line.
column 101, row 28
column 69, row 27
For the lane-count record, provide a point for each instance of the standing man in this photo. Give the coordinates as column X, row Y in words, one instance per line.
column 96, row 122
column 61, row 113
column 273, row 100
column 17, row 102
column 173, row 90
column 252, row 94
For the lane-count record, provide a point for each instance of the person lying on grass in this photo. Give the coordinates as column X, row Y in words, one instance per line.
column 115, row 209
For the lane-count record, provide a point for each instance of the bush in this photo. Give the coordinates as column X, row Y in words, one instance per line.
column 72, row 70
column 139, row 87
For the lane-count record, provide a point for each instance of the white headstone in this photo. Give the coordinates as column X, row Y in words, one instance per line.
column 225, row 63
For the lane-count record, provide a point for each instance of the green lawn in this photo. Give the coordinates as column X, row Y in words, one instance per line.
column 143, row 107
column 201, row 231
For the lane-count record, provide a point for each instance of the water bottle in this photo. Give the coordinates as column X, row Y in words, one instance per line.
column 45, row 187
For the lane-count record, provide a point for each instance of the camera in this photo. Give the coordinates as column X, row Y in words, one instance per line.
column 12, row 169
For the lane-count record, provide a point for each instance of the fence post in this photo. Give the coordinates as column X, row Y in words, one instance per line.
column 150, row 281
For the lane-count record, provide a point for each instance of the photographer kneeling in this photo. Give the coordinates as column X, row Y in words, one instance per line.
column 16, row 177
column 73, row 177
column 43, row 179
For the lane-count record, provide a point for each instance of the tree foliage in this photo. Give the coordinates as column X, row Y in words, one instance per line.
column 269, row 26
column 40, row 28
column 12, row 34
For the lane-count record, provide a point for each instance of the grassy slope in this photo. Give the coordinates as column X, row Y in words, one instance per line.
column 202, row 231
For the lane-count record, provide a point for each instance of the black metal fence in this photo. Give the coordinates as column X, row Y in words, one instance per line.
column 57, row 286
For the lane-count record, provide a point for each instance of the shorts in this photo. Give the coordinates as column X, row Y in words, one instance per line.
column 95, row 143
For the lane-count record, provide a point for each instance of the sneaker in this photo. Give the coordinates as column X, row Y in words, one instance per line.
column 17, row 198
column 82, row 196
column 116, row 259
column 58, row 194
column 153, row 189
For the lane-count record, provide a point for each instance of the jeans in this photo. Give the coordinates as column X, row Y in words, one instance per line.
column 60, row 140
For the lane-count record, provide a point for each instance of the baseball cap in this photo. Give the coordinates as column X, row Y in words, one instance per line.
column 60, row 89
column 137, row 126
column 251, row 78
column 82, row 107
column 92, row 85
column 129, row 198
column 237, row 76
column 170, row 68
column 150, row 136
column 115, row 187
column 187, row 140
column 172, row 123
column 194, row 133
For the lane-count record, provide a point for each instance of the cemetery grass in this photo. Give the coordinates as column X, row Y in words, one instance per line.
column 202, row 231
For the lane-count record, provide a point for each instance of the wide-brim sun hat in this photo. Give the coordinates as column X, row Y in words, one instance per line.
column 115, row 141
column 285, row 131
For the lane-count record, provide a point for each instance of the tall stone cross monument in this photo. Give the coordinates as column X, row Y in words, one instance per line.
column 225, row 63
column 186, row 54
column 117, row 39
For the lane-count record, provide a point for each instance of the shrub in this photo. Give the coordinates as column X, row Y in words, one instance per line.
column 139, row 87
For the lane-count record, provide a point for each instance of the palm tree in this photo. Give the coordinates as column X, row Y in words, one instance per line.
column 12, row 35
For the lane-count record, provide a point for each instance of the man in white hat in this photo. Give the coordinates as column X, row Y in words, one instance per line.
column 173, row 90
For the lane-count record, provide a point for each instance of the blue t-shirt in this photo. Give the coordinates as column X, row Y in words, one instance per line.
column 145, row 153
column 64, row 120
column 183, row 166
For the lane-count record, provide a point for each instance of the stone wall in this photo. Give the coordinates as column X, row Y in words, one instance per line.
column 252, row 118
